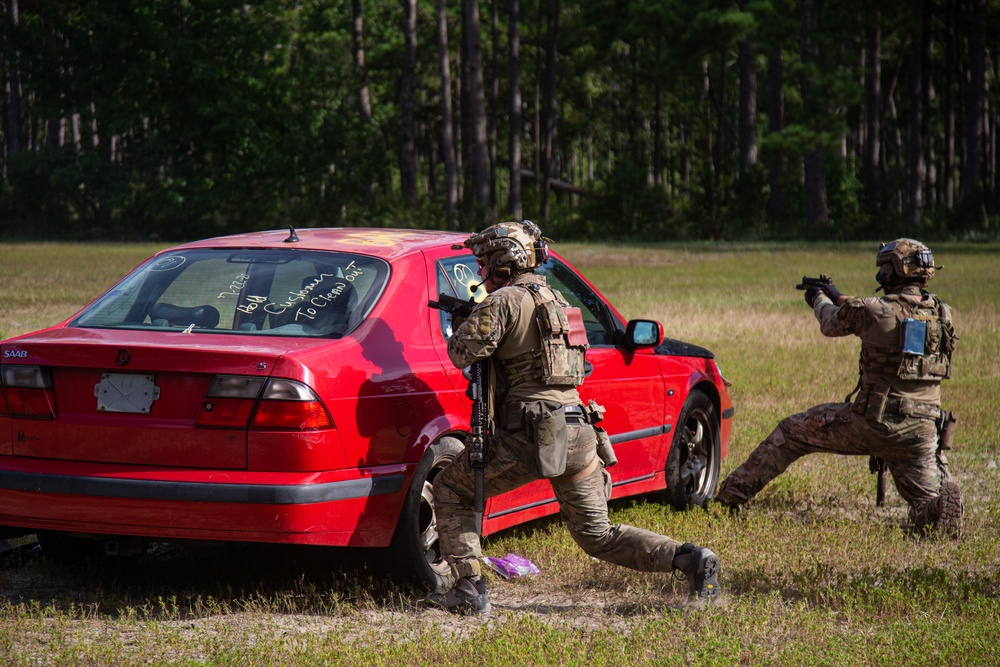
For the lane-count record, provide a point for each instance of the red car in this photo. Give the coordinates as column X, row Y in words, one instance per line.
column 294, row 387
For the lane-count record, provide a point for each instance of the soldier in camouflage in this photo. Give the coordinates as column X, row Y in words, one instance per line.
column 535, row 345
column 907, row 338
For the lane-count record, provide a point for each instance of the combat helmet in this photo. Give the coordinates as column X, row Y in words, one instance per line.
column 911, row 261
column 510, row 247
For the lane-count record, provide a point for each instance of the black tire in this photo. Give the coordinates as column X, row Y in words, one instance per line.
column 694, row 459
column 415, row 547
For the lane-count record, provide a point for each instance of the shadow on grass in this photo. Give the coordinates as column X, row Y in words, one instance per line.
column 179, row 580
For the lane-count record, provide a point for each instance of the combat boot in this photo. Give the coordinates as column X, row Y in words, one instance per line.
column 701, row 567
column 467, row 597
column 950, row 510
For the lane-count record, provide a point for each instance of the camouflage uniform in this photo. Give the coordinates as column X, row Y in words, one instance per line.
column 503, row 328
column 893, row 417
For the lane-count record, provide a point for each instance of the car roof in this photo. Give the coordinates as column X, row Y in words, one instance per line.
column 377, row 241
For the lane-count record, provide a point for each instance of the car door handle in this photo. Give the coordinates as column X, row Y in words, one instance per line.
column 588, row 368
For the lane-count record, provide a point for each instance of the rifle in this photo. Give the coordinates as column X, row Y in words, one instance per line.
column 479, row 426
column 819, row 283
column 877, row 465
column 453, row 306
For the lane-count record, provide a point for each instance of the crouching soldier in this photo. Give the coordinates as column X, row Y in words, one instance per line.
column 536, row 355
column 895, row 416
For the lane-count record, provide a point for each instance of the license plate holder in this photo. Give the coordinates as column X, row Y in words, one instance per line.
column 126, row 392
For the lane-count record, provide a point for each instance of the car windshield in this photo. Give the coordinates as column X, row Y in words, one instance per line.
column 257, row 292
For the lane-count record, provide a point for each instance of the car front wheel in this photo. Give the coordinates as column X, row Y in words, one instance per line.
column 415, row 543
column 693, row 463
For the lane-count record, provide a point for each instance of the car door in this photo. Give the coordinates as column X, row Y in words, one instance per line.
column 628, row 383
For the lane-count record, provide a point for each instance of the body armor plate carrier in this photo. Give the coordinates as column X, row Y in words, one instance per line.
column 927, row 339
column 562, row 356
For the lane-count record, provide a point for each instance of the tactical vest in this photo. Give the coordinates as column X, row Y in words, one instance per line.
column 562, row 356
column 925, row 344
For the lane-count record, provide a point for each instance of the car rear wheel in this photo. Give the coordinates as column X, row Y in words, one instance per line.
column 693, row 463
column 415, row 544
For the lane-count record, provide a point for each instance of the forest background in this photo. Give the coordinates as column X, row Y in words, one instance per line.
column 641, row 119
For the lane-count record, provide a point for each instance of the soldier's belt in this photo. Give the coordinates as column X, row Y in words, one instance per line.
column 511, row 417
column 907, row 407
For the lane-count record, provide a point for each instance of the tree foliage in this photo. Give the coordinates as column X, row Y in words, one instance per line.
column 714, row 119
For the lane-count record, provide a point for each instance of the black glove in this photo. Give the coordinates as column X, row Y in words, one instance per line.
column 456, row 322
column 832, row 292
column 811, row 295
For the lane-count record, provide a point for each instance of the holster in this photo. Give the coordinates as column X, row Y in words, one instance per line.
column 546, row 427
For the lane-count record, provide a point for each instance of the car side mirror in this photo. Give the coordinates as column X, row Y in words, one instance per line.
column 643, row 333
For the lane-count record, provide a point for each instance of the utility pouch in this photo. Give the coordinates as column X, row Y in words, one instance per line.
column 604, row 448
column 878, row 397
column 547, row 429
column 946, row 430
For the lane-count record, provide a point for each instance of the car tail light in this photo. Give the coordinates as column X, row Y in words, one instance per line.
column 28, row 392
column 274, row 404
column 287, row 404
column 229, row 402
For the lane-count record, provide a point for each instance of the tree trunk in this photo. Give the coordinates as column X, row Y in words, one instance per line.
column 407, row 149
column 514, row 37
column 775, row 124
column 915, row 156
column 549, row 105
column 12, row 103
column 972, row 192
column 873, row 110
column 948, row 185
column 748, row 102
column 360, row 71
column 494, row 98
column 361, row 74
column 658, row 120
column 816, row 206
column 447, row 130
column 474, row 109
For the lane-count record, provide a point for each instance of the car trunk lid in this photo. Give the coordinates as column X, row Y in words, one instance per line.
column 133, row 397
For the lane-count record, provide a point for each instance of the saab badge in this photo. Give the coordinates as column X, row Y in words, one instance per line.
column 123, row 357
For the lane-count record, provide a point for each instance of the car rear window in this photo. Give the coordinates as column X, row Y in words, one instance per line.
column 260, row 292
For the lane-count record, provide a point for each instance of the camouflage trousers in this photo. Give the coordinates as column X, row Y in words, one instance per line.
column 909, row 449
column 583, row 503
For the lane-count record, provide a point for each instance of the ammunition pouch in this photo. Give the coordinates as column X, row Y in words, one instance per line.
column 546, row 427
column 871, row 402
column 605, row 450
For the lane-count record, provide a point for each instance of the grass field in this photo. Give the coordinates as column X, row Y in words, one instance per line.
column 814, row 572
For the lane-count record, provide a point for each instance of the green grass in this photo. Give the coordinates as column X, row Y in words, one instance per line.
column 814, row 572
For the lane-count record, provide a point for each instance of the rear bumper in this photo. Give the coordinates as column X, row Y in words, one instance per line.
column 357, row 507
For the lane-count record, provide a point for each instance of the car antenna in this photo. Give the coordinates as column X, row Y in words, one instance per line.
column 292, row 236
